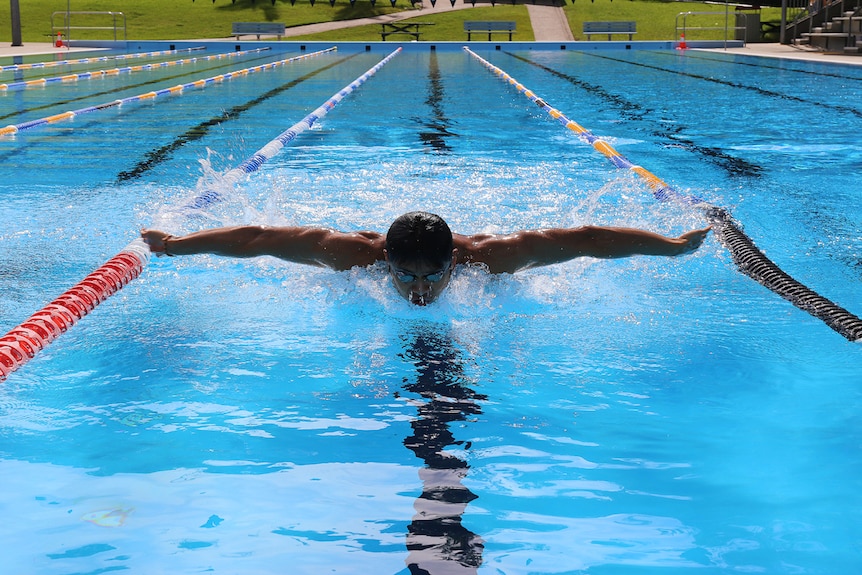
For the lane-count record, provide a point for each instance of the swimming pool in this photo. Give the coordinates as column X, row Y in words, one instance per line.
column 632, row 416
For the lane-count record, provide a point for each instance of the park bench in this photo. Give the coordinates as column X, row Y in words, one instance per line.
column 491, row 27
column 246, row 28
column 615, row 27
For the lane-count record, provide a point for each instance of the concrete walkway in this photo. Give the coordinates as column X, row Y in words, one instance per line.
column 35, row 48
column 765, row 50
column 786, row 52
column 549, row 23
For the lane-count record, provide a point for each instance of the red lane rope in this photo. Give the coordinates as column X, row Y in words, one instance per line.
column 22, row 343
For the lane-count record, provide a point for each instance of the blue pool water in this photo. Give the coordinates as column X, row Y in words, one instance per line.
column 646, row 415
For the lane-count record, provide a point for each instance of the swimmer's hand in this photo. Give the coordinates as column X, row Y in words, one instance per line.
column 692, row 240
column 156, row 240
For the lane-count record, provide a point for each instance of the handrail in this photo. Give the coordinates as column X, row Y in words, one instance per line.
column 682, row 30
column 802, row 16
column 67, row 23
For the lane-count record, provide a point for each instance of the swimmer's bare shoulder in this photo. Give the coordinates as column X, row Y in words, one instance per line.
column 344, row 250
column 496, row 253
column 328, row 248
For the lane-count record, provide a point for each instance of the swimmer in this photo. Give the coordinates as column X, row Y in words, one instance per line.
column 420, row 249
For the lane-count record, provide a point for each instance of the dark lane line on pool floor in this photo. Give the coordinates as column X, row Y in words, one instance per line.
column 437, row 540
column 128, row 87
column 756, row 89
column 20, row 149
column 162, row 154
column 747, row 257
column 733, row 165
column 437, row 128
column 703, row 57
column 816, row 216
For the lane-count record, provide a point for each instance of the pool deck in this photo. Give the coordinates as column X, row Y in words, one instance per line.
column 764, row 50
column 35, row 48
column 792, row 53
column 548, row 21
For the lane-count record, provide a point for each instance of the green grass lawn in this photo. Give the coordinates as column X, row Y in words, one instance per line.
column 181, row 19
column 187, row 19
column 658, row 20
column 448, row 26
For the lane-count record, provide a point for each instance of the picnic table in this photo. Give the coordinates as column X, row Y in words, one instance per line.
column 410, row 28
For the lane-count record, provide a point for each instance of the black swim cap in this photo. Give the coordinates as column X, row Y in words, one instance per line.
column 419, row 236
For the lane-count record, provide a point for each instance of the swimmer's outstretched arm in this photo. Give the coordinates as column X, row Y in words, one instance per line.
column 305, row 245
column 534, row 248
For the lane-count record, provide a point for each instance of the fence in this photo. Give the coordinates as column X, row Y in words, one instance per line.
column 713, row 22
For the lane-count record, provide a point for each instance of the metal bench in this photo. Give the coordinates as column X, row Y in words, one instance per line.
column 247, row 28
column 491, row 27
column 615, row 27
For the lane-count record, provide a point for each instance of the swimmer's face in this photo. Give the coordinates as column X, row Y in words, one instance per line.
column 420, row 282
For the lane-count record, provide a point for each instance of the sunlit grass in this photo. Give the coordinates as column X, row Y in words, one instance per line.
column 186, row 19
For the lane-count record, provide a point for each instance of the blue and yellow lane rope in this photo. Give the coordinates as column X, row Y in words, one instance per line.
column 14, row 129
column 54, row 63
column 660, row 189
column 748, row 258
column 256, row 160
column 40, row 82
column 23, row 342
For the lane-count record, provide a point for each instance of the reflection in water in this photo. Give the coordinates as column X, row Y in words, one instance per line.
column 437, row 541
column 437, row 128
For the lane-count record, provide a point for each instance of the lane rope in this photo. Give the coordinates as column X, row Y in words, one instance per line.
column 256, row 160
column 747, row 257
column 14, row 129
column 41, row 82
column 23, row 342
column 54, row 63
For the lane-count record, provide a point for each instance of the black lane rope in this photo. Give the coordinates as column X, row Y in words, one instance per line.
column 752, row 262
column 757, row 89
column 747, row 257
column 733, row 165
column 162, row 154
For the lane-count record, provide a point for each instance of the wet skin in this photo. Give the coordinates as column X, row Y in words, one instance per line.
column 420, row 282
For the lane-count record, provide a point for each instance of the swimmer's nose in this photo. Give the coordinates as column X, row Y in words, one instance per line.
column 421, row 294
column 420, row 298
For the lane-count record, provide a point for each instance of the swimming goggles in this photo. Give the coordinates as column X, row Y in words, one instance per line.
column 406, row 277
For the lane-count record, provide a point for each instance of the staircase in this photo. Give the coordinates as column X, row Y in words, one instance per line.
column 835, row 27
